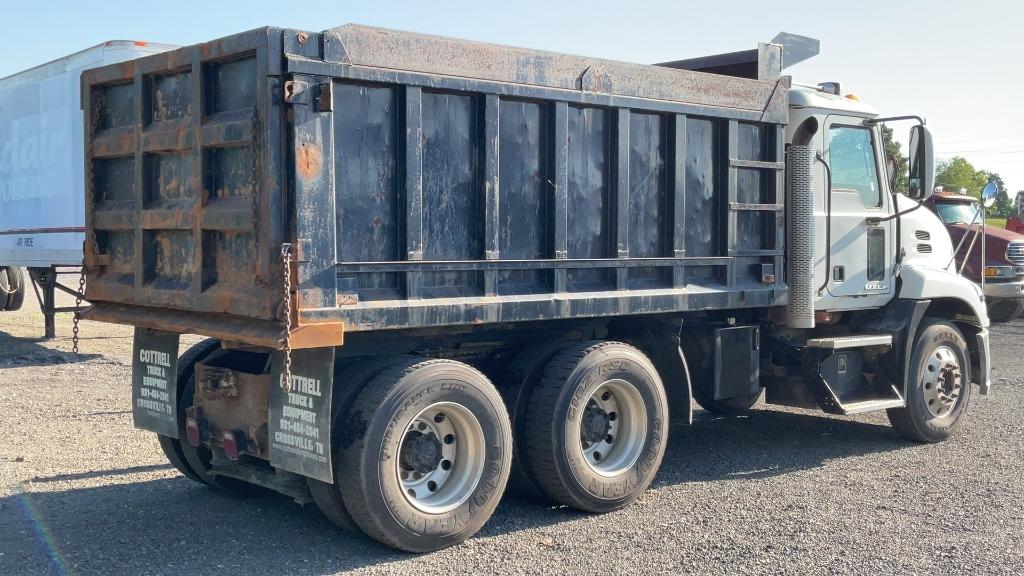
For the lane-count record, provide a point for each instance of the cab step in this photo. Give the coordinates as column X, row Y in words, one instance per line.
column 851, row 341
column 842, row 375
column 872, row 405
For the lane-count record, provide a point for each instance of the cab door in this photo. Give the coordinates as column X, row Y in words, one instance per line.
column 861, row 249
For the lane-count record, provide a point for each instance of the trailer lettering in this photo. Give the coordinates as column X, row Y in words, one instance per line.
column 155, row 357
column 305, row 385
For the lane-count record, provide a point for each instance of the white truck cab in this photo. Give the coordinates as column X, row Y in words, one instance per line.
column 873, row 246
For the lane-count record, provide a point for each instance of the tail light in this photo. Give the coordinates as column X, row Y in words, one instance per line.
column 193, row 432
column 233, row 443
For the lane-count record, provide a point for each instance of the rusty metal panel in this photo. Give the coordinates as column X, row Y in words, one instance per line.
column 180, row 177
column 232, row 394
column 367, row 46
column 424, row 181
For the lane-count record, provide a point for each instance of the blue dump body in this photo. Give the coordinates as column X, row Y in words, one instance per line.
column 425, row 181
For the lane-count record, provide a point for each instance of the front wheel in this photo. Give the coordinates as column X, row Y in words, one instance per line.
column 1002, row 310
column 938, row 385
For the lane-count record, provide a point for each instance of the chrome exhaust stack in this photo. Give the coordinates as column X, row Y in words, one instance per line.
column 800, row 236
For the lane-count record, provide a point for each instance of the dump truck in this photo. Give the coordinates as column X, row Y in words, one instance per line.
column 431, row 268
column 42, row 218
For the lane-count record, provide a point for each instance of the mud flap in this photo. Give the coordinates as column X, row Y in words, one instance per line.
column 154, row 382
column 300, row 418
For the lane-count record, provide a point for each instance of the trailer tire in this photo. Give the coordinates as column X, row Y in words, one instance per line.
column 597, row 396
column 939, row 384
column 1002, row 310
column 12, row 282
column 348, row 381
column 402, row 428
column 516, row 385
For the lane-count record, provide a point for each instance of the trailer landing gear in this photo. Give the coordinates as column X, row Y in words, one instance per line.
column 45, row 283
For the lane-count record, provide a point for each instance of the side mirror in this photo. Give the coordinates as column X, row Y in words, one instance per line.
column 922, row 163
column 988, row 194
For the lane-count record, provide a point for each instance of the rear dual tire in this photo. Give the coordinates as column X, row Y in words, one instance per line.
column 425, row 452
column 596, row 427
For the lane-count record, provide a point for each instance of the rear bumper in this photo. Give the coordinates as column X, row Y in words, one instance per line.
column 260, row 333
column 1004, row 289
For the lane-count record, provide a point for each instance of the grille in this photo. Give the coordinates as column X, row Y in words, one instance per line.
column 924, row 248
column 922, row 235
column 1015, row 252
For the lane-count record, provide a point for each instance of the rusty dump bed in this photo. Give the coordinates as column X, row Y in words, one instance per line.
column 424, row 181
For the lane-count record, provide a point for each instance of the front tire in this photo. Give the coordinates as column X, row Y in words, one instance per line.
column 597, row 426
column 939, row 384
column 429, row 453
column 1002, row 310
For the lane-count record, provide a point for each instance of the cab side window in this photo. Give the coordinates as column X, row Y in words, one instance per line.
column 852, row 158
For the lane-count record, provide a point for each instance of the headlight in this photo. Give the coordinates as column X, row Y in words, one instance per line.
column 999, row 271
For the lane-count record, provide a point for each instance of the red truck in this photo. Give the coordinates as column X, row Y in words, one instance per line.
column 1003, row 249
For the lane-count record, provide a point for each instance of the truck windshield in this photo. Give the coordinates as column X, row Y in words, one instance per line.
column 966, row 213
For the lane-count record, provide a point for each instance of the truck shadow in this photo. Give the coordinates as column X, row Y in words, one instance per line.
column 175, row 526
column 18, row 352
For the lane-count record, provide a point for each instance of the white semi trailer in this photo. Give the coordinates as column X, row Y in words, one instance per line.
column 42, row 217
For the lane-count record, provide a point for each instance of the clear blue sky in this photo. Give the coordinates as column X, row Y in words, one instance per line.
column 957, row 63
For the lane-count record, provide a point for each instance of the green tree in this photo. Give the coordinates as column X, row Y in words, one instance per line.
column 894, row 150
column 958, row 173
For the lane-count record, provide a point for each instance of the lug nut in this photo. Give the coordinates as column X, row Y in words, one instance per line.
column 449, row 438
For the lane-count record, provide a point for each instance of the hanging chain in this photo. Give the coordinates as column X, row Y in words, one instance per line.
column 78, row 310
column 254, row 201
column 286, row 321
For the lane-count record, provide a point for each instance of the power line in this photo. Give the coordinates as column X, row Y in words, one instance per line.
column 1006, row 137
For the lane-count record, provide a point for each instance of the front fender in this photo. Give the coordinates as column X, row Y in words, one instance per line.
column 925, row 283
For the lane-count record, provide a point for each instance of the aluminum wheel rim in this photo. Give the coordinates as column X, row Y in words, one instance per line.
column 438, row 482
column 942, row 381
column 616, row 407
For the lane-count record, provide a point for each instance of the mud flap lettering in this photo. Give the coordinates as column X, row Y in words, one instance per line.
column 300, row 417
column 154, row 382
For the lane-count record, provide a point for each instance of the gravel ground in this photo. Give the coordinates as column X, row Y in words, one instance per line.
column 778, row 491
